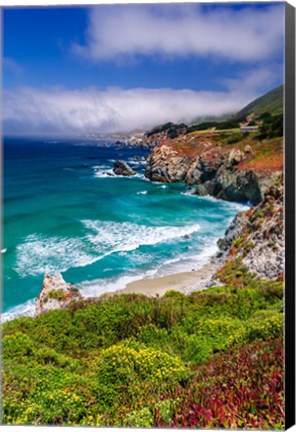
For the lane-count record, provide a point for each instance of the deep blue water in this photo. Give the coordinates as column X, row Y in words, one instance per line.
column 63, row 212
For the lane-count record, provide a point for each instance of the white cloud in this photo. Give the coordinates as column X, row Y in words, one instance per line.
column 120, row 31
column 256, row 79
column 60, row 111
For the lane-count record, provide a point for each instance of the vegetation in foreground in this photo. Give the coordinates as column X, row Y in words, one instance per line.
column 210, row 359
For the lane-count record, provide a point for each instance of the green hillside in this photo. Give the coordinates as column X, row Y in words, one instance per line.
column 271, row 102
column 136, row 361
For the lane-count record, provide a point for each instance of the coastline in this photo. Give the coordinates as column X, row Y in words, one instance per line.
column 184, row 282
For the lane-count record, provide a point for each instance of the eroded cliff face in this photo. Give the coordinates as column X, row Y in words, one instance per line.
column 240, row 172
column 256, row 236
column 56, row 293
column 223, row 172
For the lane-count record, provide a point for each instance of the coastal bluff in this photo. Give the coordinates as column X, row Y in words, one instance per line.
column 230, row 172
column 249, row 171
column 56, row 293
column 256, row 237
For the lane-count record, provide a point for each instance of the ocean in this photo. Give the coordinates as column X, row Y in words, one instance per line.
column 63, row 212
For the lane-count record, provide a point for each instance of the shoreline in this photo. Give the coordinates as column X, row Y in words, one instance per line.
column 184, row 282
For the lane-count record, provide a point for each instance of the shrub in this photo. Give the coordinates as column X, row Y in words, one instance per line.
column 56, row 294
column 241, row 389
column 17, row 346
column 122, row 365
column 150, row 335
column 141, row 418
column 235, row 138
column 134, row 360
column 271, row 127
column 173, row 294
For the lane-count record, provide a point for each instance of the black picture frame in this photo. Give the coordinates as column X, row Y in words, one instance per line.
column 290, row 214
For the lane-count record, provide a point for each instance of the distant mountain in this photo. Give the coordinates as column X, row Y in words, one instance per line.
column 271, row 102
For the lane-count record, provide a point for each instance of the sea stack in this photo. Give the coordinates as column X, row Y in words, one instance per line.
column 122, row 168
column 56, row 293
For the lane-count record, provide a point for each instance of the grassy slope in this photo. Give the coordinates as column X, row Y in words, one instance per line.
column 137, row 361
column 266, row 154
column 271, row 102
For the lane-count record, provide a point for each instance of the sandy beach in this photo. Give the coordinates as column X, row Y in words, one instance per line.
column 185, row 282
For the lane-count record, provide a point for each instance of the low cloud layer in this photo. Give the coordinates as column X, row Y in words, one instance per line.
column 60, row 111
column 243, row 35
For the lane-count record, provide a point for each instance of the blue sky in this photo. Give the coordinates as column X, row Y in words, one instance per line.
column 122, row 67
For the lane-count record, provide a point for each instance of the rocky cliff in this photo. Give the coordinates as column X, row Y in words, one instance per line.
column 229, row 172
column 56, row 293
column 247, row 171
column 256, row 237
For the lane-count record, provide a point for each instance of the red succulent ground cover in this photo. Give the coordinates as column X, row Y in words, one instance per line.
column 192, row 146
column 236, row 390
column 266, row 155
column 270, row 163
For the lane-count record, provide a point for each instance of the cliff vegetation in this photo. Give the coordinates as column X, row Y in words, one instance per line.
column 210, row 359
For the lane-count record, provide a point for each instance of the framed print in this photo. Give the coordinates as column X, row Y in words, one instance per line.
column 148, row 216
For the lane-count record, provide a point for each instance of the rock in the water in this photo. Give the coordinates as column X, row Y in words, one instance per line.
column 56, row 293
column 122, row 168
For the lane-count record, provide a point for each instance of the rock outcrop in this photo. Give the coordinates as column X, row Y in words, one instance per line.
column 165, row 165
column 257, row 236
column 235, row 173
column 122, row 168
column 56, row 294
column 214, row 171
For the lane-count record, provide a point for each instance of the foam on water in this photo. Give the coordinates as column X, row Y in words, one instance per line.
column 226, row 204
column 137, row 163
column 107, row 172
column 97, row 287
column 25, row 309
column 127, row 236
column 38, row 254
column 187, row 263
column 103, row 171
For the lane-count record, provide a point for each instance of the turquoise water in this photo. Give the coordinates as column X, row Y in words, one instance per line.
column 63, row 212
